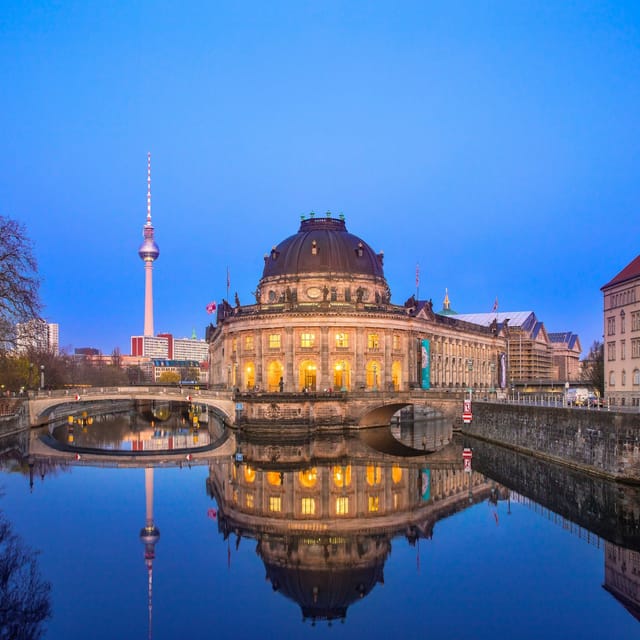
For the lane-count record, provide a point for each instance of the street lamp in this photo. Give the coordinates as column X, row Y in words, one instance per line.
column 41, row 377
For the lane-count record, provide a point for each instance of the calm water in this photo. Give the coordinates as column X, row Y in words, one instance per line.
column 326, row 538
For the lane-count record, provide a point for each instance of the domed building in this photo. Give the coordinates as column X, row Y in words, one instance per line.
column 323, row 319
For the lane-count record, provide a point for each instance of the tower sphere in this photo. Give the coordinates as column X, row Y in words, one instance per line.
column 148, row 249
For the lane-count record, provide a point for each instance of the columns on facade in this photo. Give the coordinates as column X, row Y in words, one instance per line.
column 290, row 379
column 326, row 379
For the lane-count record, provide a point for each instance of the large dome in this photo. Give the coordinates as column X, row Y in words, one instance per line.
column 323, row 246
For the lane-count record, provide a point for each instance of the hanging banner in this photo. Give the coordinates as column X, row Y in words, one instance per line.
column 425, row 477
column 425, row 364
column 502, row 369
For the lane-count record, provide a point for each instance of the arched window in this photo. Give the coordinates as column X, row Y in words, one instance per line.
column 307, row 375
column 374, row 475
column 636, row 377
column 373, row 375
column 612, row 379
column 342, row 475
column 275, row 372
column 341, row 376
column 308, row 477
column 250, row 375
column 396, row 375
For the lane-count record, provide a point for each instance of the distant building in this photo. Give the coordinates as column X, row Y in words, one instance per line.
column 190, row 371
column 528, row 346
column 165, row 345
column 565, row 354
column 622, row 336
column 38, row 335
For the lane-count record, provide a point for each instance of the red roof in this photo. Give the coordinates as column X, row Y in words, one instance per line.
column 632, row 270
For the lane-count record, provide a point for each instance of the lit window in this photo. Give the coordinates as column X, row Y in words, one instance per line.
column 274, row 478
column 234, row 345
column 342, row 475
column 308, row 477
column 307, row 339
column 275, row 504
column 396, row 474
column 248, row 343
column 274, row 341
column 396, row 500
column 396, row 342
column 373, row 341
column 308, row 506
column 248, row 500
column 342, row 340
column 249, row 474
column 342, row 505
column 374, row 475
column 374, row 503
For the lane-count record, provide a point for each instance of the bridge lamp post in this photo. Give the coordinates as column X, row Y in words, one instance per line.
column 41, row 377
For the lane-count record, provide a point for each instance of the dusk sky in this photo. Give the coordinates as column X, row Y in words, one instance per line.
column 497, row 144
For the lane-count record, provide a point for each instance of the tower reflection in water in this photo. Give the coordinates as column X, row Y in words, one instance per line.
column 324, row 512
column 149, row 535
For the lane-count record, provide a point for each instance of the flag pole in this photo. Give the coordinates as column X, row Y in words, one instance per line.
column 417, row 281
column 228, row 283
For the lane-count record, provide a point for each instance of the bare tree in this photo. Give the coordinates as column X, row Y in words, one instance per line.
column 593, row 367
column 19, row 282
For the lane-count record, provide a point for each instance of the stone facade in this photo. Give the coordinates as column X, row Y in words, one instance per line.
column 323, row 319
column 622, row 337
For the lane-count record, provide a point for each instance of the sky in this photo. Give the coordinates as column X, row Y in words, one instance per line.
column 494, row 144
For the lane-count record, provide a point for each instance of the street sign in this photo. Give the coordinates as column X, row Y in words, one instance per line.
column 467, row 455
column 467, row 415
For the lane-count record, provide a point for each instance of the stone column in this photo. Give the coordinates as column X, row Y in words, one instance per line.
column 290, row 380
column 326, row 380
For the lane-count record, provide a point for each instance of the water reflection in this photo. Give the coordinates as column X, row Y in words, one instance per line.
column 324, row 511
column 25, row 601
column 139, row 427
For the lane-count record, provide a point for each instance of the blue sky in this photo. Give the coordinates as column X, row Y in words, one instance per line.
column 494, row 143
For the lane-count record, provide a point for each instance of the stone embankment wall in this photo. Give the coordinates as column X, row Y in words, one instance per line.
column 602, row 442
column 14, row 417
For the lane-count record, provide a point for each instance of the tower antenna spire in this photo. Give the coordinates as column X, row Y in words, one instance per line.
column 149, row 187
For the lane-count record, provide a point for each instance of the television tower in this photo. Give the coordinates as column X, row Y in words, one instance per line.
column 148, row 252
column 149, row 536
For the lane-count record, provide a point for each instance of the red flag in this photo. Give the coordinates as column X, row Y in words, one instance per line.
column 211, row 307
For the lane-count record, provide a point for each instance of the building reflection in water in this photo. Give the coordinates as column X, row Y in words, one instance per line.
column 324, row 511
column 622, row 576
column 139, row 427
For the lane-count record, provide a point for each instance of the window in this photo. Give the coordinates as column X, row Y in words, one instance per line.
column 374, row 475
column 396, row 342
column 635, row 348
column 611, row 351
column 374, row 503
column 307, row 339
column 234, row 345
column 623, row 349
column 275, row 504
column 248, row 500
column 248, row 343
column 342, row 505
column 373, row 341
column 636, row 377
column 308, row 506
column 611, row 326
column 612, row 379
column 342, row 340
column 622, row 323
column 623, row 378
column 635, row 321
column 274, row 341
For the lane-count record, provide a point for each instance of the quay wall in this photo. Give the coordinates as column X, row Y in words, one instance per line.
column 605, row 443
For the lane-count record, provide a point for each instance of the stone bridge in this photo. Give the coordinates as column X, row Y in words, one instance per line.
column 364, row 409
